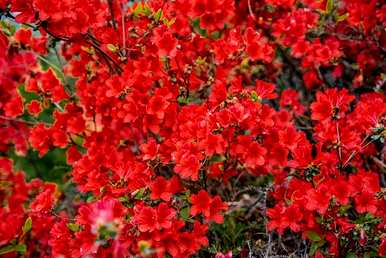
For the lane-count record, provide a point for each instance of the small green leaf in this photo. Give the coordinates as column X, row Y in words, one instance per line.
column 21, row 248
column 169, row 22
column 313, row 249
column 141, row 10
column 313, row 236
column 27, row 225
column 140, row 194
column 351, row 255
column 315, row 246
column 255, row 97
column 215, row 35
column 123, row 199
column 217, row 158
column 112, row 48
column 73, row 227
column 7, row 249
column 158, row 15
column 182, row 100
column 185, row 213
column 342, row 17
column 12, row 29
column 329, row 6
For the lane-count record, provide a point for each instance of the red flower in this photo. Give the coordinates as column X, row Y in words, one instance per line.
column 382, row 247
column 331, row 104
column 318, row 200
column 23, row 36
column 151, row 123
column 157, row 106
column 290, row 99
column 341, row 190
column 165, row 42
column 209, row 207
column 164, row 189
column 200, row 203
column 14, row 107
column 265, row 90
column 34, row 107
column 258, row 47
column 3, row 44
column 214, row 144
column 254, row 157
column 218, row 94
column 44, row 201
column 366, row 202
column 150, row 219
column 282, row 218
column 73, row 155
column 216, row 207
column 101, row 214
column 188, row 166
column 40, row 139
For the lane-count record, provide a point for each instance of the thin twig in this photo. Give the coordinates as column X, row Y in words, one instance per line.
column 107, row 57
column 111, row 9
column 352, row 155
column 379, row 163
column 339, row 146
column 123, row 30
column 251, row 11
column 22, row 121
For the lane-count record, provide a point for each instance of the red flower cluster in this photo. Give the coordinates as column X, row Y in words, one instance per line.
column 165, row 107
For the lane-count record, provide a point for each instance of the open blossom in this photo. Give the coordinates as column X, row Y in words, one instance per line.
column 209, row 207
column 105, row 213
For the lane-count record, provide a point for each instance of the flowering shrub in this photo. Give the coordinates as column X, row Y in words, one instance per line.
column 208, row 128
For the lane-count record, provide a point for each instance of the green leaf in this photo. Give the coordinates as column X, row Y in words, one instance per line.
column 313, row 236
column 182, row 100
column 169, row 22
column 217, row 158
column 351, row 255
column 185, row 213
column 7, row 249
column 215, row 35
column 112, row 48
column 123, row 199
column 315, row 246
column 21, row 248
column 13, row 248
column 73, row 227
column 140, row 194
column 329, row 6
column 158, row 15
column 342, row 17
column 8, row 28
column 54, row 67
column 141, row 10
column 27, row 225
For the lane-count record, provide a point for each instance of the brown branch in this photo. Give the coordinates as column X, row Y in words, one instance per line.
column 18, row 120
column 111, row 9
column 339, row 146
column 379, row 163
column 352, row 155
column 94, row 43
